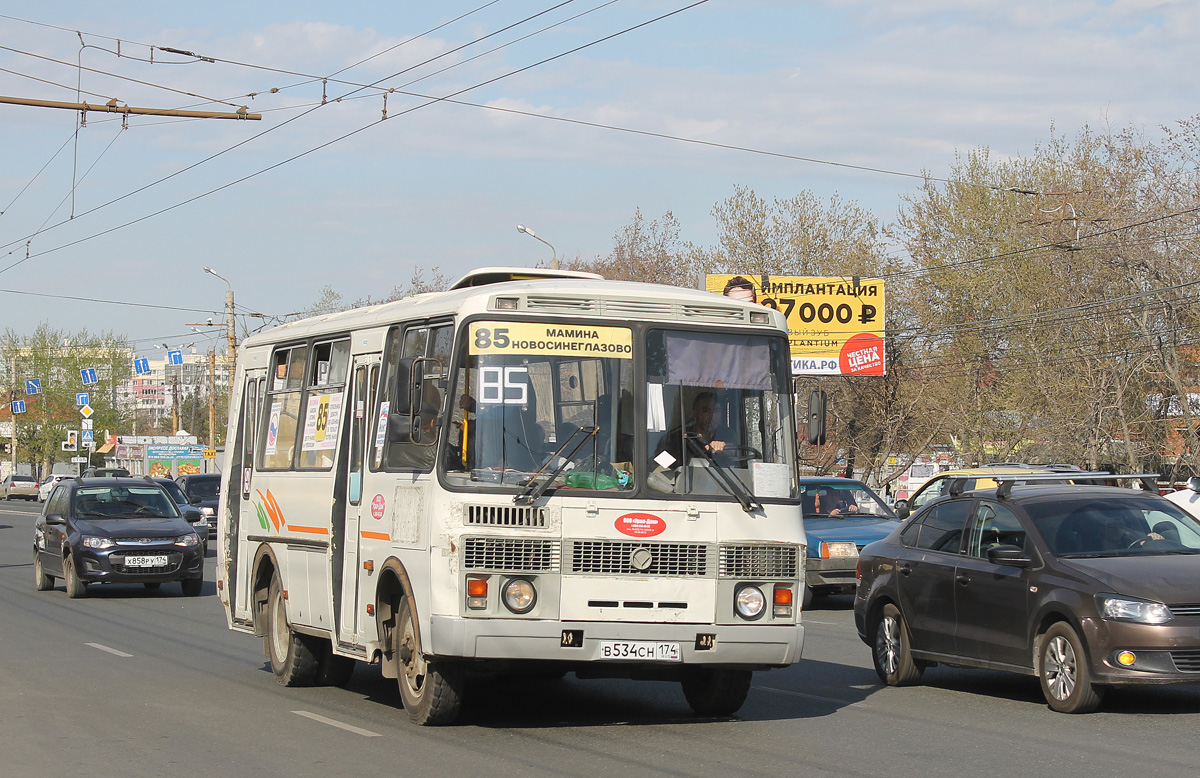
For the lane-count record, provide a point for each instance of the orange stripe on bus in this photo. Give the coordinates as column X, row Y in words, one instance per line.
column 310, row 530
column 377, row 535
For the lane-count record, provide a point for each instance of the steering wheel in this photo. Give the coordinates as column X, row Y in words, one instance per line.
column 741, row 453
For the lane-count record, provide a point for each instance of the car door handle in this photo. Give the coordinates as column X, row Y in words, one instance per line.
column 905, row 569
column 963, row 578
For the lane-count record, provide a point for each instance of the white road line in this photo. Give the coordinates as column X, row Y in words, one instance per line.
column 846, row 703
column 822, row 623
column 112, row 651
column 338, row 724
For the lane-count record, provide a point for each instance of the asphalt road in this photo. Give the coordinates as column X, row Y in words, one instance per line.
column 132, row 682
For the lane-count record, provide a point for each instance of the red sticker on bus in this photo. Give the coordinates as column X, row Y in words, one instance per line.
column 377, row 506
column 640, row 525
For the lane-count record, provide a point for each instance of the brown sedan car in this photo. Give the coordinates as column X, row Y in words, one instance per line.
column 1085, row 587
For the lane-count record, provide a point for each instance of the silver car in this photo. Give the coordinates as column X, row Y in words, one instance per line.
column 22, row 486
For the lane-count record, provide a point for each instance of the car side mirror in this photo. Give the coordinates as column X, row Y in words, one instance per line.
column 193, row 516
column 55, row 518
column 1193, row 483
column 1012, row 556
column 901, row 508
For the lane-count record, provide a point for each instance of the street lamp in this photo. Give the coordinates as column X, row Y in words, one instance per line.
column 229, row 328
column 532, row 234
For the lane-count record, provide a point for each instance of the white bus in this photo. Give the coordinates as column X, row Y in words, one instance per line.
column 504, row 478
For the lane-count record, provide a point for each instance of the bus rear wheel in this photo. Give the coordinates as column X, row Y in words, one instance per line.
column 716, row 691
column 431, row 691
column 293, row 661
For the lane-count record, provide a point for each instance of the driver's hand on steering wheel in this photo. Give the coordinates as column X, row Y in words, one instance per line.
column 716, row 446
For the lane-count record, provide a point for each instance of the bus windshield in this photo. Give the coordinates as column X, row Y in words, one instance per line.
column 534, row 399
column 553, row 406
column 718, row 412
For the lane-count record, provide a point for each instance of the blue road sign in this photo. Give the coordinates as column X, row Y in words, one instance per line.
column 18, row 406
column 81, row 398
column 88, row 374
column 33, row 386
column 87, row 435
column 141, row 366
column 175, row 357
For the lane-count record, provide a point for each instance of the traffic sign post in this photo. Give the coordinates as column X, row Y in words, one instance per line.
column 18, row 406
column 81, row 398
column 88, row 374
column 33, row 386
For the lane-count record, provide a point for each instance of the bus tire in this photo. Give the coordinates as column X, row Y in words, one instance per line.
column 332, row 669
column 431, row 691
column 716, row 691
column 292, row 659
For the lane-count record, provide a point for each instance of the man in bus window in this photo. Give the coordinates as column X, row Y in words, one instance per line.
column 703, row 426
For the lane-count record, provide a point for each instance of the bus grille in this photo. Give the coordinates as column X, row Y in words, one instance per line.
column 608, row 557
column 758, row 561
column 510, row 555
column 505, row 516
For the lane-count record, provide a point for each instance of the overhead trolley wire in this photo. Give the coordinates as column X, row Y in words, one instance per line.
column 259, row 135
column 328, row 143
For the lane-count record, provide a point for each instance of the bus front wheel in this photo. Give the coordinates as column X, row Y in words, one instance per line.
column 431, row 691
column 293, row 661
column 716, row 691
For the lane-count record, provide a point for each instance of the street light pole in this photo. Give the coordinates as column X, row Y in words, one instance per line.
column 229, row 327
column 532, row 234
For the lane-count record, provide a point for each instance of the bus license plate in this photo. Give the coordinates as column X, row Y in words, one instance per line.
column 640, row 649
column 146, row 561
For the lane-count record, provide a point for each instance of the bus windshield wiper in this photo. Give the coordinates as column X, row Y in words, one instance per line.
column 732, row 485
column 534, row 490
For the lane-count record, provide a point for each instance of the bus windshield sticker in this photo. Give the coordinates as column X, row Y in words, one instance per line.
column 521, row 337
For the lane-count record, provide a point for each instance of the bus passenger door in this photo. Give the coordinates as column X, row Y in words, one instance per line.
column 243, row 516
column 365, row 376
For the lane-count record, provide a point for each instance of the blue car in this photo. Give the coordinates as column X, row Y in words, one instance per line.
column 841, row 516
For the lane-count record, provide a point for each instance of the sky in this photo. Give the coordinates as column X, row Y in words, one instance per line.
column 567, row 117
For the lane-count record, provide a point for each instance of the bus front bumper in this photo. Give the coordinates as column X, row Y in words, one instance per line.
column 743, row 645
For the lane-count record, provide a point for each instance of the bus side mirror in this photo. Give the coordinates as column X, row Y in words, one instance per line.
column 816, row 417
column 402, row 390
column 400, row 428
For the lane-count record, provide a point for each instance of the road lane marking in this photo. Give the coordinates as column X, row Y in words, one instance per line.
column 338, row 724
column 847, row 703
column 112, row 651
column 822, row 623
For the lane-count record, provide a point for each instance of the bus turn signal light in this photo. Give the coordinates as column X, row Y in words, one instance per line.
column 781, row 602
column 477, row 591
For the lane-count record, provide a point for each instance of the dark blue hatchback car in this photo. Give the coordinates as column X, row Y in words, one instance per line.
column 116, row 530
column 841, row 515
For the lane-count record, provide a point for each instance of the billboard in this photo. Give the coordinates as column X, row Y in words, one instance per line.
column 835, row 325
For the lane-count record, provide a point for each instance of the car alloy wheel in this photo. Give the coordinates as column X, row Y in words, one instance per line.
column 1060, row 668
column 1064, row 673
column 887, row 644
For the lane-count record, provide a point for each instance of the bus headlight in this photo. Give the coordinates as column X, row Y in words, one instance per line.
column 749, row 602
column 519, row 595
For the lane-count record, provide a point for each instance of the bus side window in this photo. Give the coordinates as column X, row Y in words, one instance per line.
column 429, row 347
column 323, row 406
column 281, row 410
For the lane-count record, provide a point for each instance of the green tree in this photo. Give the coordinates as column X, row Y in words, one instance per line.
column 56, row 358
